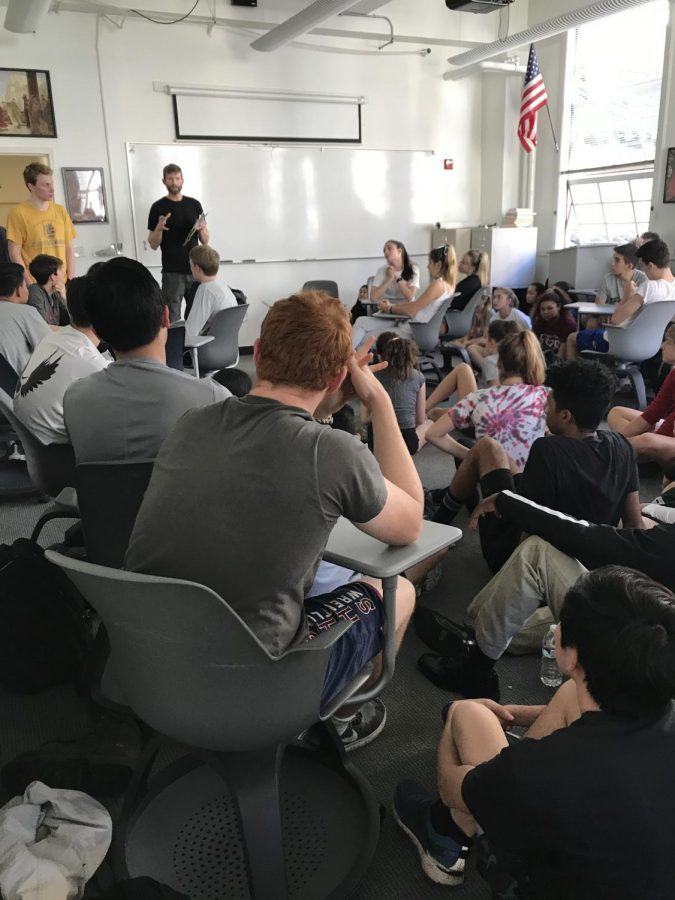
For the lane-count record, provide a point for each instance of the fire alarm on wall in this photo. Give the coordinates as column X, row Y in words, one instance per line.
column 448, row 164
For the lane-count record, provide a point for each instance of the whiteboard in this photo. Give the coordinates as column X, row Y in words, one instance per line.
column 293, row 203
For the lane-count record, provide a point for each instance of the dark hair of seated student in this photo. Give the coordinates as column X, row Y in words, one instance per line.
column 499, row 328
column 125, row 304
column 94, row 267
column 585, row 388
column 534, row 291
column 622, row 625
column 628, row 252
column 236, row 381
column 12, row 276
column 358, row 309
column 655, row 252
column 43, row 266
column 399, row 353
column 562, row 289
column 76, row 301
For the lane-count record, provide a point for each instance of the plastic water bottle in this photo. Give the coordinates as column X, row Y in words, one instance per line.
column 551, row 675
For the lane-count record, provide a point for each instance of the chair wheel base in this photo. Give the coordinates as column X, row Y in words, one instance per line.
column 187, row 834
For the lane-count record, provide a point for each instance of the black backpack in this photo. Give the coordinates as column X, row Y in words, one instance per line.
column 239, row 295
column 45, row 630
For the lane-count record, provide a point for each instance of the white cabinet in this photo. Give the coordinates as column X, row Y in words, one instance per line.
column 460, row 238
column 582, row 267
column 512, row 252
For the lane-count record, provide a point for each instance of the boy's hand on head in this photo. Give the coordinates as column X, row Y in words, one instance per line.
column 360, row 381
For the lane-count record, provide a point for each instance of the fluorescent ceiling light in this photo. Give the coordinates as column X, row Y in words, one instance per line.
column 309, row 18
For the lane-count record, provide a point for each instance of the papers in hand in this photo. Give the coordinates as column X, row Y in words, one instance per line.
column 201, row 218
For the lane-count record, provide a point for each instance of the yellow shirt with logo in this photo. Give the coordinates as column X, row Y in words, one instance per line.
column 39, row 232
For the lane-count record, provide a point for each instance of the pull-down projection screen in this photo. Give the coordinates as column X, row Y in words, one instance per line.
column 259, row 118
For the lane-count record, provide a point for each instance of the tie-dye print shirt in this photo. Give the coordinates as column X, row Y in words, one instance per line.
column 513, row 414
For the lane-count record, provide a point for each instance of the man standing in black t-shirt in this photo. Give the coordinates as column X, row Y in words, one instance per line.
column 170, row 221
column 582, row 807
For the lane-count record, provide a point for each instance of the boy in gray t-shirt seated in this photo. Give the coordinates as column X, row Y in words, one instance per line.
column 263, row 483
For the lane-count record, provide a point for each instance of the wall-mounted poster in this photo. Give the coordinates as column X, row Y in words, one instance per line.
column 26, row 105
column 85, row 195
column 669, row 186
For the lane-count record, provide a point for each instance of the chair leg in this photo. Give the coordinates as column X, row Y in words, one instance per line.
column 254, row 781
column 47, row 517
column 638, row 382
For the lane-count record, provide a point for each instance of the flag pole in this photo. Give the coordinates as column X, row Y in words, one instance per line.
column 550, row 122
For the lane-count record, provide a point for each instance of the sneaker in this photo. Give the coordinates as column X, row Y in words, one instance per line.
column 363, row 727
column 459, row 677
column 101, row 763
column 429, row 582
column 442, row 858
column 432, row 578
column 432, row 501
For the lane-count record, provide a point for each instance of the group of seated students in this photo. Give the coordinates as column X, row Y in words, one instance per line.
column 561, row 810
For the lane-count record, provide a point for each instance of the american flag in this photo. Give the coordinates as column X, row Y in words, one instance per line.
column 534, row 97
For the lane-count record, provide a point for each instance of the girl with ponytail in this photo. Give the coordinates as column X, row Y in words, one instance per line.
column 404, row 383
column 512, row 412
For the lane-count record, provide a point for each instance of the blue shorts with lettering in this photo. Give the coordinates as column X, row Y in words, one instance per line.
column 592, row 339
column 361, row 604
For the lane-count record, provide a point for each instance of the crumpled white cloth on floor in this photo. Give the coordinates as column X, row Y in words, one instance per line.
column 51, row 843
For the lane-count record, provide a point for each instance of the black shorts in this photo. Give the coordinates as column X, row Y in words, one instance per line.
column 360, row 603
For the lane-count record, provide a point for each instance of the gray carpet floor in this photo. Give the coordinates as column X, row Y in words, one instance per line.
column 407, row 746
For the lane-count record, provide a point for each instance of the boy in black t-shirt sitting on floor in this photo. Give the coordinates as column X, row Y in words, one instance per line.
column 582, row 807
column 577, row 469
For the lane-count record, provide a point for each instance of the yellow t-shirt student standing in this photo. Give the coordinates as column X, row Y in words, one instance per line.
column 40, row 232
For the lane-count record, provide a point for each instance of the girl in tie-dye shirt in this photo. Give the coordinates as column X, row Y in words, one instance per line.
column 512, row 412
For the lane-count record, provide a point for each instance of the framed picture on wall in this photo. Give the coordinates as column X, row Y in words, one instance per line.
column 26, row 105
column 669, row 186
column 85, row 195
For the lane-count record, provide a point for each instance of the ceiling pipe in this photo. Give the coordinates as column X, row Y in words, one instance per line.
column 301, row 23
column 546, row 29
column 511, row 68
column 23, row 16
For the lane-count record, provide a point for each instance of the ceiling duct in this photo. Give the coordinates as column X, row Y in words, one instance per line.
column 23, row 16
column 546, row 29
column 309, row 18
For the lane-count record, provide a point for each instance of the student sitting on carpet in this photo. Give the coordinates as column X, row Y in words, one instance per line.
column 568, row 810
column 512, row 412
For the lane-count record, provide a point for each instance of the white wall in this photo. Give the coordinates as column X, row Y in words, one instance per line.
column 67, row 51
column 663, row 214
column 409, row 106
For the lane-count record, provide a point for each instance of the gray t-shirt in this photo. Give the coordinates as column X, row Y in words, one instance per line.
column 21, row 330
column 242, row 499
column 612, row 287
column 126, row 411
column 210, row 298
column 403, row 395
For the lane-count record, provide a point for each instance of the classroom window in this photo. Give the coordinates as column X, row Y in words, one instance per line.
column 612, row 97
column 607, row 208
